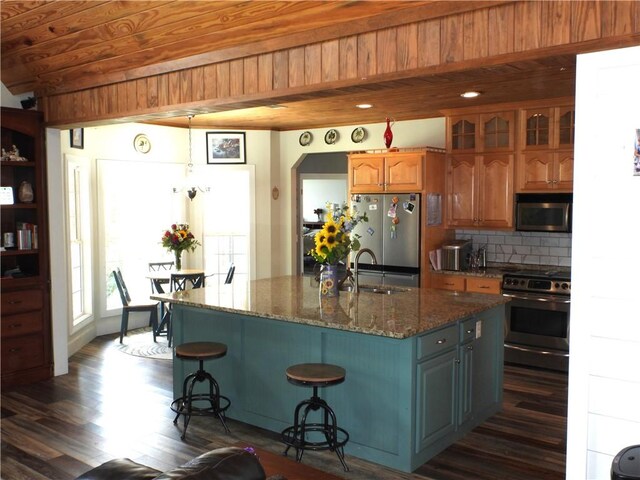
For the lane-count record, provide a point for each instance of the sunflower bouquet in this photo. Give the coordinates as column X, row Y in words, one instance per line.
column 336, row 239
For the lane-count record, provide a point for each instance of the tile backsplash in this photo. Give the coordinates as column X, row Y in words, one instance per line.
column 534, row 248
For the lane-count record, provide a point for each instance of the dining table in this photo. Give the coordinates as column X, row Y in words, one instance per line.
column 159, row 280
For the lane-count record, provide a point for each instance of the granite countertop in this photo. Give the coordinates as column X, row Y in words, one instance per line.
column 296, row 299
column 497, row 270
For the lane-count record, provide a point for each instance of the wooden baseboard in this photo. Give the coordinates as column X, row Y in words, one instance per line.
column 287, row 467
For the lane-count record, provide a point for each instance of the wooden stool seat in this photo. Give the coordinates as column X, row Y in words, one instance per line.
column 322, row 374
column 201, row 350
column 305, row 434
column 190, row 403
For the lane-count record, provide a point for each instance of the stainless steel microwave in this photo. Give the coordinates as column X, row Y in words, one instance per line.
column 543, row 212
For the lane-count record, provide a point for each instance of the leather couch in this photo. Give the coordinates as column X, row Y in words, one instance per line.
column 230, row 463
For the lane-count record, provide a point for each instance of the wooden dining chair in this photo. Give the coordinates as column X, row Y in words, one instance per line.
column 186, row 281
column 156, row 284
column 230, row 273
column 129, row 306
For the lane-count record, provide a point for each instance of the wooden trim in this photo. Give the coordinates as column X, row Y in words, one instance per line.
column 449, row 44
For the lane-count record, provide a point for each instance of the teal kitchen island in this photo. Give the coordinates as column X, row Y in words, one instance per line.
column 424, row 366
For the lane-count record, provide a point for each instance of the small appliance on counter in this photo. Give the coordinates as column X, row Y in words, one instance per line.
column 456, row 254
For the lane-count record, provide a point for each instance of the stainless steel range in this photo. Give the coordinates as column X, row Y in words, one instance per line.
column 537, row 321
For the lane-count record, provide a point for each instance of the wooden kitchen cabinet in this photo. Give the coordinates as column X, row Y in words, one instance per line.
column 481, row 132
column 549, row 127
column 448, row 282
column 390, row 172
column 484, row 285
column 466, row 283
column 544, row 170
column 26, row 313
column 458, row 379
column 480, row 191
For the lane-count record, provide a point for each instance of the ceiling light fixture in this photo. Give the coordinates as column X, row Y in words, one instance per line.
column 470, row 94
column 189, row 184
column 364, row 105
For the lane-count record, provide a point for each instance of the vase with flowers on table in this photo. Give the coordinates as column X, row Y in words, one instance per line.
column 178, row 239
column 334, row 243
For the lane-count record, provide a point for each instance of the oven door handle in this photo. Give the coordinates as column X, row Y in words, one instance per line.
column 536, row 299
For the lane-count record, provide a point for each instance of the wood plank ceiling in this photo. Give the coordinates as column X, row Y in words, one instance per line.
column 56, row 47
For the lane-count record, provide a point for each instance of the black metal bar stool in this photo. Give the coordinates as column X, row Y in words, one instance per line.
column 215, row 404
column 315, row 436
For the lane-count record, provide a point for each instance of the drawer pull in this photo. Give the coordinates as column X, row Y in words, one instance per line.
column 485, row 286
column 448, row 284
column 470, row 330
column 14, row 350
column 470, row 347
column 441, row 341
column 14, row 302
column 15, row 325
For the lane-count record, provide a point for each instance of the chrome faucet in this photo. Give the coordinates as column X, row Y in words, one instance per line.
column 374, row 261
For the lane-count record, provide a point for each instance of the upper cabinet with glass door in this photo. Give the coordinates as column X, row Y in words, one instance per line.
column 484, row 132
column 547, row 128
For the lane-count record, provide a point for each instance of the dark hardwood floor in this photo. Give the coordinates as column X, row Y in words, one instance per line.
column 112, row 404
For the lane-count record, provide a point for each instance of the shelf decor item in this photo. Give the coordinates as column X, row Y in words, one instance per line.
column 333, row 244
column 178, row 239
column 25, row 192
column 388, row 134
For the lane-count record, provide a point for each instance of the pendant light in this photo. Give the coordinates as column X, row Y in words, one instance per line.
column 190, row 185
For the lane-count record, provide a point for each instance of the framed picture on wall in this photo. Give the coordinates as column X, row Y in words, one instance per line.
column 226, row 148
column 76, row 138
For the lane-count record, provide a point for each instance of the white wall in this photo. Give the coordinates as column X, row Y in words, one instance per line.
column 604, row 370
column 407, row 134
column 320, row 189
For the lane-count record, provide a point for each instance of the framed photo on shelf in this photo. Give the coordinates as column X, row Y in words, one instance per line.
column 76, row 138
column 226, row 148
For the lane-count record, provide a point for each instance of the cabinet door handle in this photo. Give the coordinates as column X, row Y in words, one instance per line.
column 15, row 325
column 469, row 347
column 14, row 350
column 441, row 341
column 484, row 286
column 448, row 284
column 15, row 302
column 470, row 330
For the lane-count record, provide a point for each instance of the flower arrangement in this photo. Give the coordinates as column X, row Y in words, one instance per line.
column 336, row 240
column 178, row 239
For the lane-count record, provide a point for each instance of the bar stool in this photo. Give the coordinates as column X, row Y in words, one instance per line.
column 297, row 436
column 215, row 404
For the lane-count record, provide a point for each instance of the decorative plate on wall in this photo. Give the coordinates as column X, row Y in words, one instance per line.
column 141, row 143
column 331, row 137
column 305, row 138
column 358, row 135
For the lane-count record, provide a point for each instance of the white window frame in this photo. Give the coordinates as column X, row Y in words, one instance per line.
column 79, row 231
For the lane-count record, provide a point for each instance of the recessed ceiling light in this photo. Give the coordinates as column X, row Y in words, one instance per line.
column 364, row 105
column 470, row 94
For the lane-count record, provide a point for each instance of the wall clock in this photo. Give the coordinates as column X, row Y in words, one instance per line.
column 141, row 143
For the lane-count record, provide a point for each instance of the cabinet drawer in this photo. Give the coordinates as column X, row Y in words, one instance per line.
column 21, row 324
column 448, row 282
column 468, row 330
column 22, row 353
column 484, row 285
column 437, row 342
column 21, row 301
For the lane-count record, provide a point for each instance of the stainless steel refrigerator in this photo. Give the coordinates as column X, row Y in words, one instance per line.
column 392, row 232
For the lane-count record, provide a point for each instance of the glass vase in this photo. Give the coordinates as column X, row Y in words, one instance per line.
column 329, row 281
column 178, row 259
